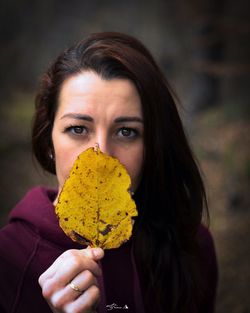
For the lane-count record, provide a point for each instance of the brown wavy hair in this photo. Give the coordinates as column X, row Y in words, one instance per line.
column 171, row 194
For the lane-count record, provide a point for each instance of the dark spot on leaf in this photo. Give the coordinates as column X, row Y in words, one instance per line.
column 66, row 219
column 77, row 237
column 107, row 229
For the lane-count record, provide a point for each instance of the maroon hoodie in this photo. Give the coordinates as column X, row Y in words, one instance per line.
column 32, row 241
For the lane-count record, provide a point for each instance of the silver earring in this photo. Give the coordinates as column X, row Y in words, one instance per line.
column 131, row 192
column 51, row 156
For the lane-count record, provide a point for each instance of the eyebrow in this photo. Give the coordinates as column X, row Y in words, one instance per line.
column 120, row 119
column 123, row 119
column 78, row 117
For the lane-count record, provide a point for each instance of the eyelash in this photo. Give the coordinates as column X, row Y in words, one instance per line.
column 72, row 129
column 129, row 129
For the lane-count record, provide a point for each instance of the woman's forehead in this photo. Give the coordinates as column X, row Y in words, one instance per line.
column 88, row 91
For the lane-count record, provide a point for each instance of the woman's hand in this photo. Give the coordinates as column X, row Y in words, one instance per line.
column 70, row 284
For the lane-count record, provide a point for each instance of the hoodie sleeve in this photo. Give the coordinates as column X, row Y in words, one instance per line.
column 23, row 257
column 16, row 249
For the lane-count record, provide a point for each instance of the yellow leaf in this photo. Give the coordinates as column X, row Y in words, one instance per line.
column 95, row 206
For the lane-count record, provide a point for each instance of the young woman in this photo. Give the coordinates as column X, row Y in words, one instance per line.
column 107, row 89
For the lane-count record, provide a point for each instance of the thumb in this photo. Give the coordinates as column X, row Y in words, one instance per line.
column 94, row 253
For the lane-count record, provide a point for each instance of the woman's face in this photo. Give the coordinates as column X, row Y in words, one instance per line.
column 93, row 110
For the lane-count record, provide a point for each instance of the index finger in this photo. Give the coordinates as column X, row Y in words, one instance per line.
column 91, row 253
column 76, row 263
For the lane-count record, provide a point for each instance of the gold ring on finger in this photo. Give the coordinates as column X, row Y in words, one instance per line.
column 75, row 287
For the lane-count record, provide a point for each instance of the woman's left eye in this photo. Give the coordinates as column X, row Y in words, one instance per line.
column 127, row 132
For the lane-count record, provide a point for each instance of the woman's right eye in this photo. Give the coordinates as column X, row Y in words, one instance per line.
column 77, row 130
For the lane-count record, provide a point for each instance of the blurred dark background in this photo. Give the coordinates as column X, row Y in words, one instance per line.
column 204, row 50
